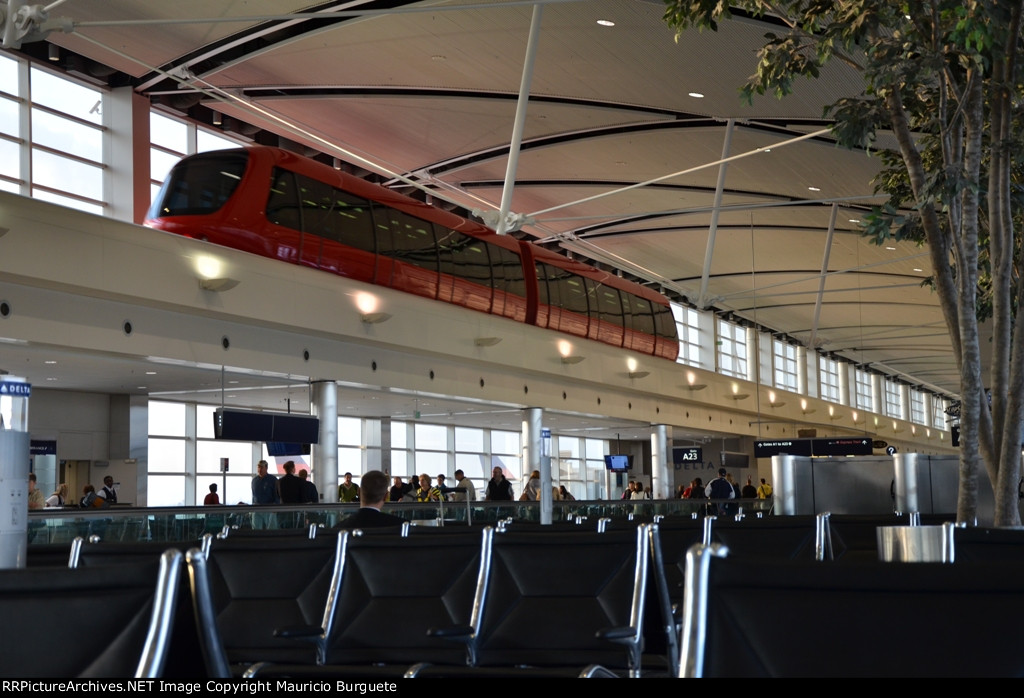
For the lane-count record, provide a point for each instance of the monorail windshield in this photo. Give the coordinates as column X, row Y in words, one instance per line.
column 200, row 184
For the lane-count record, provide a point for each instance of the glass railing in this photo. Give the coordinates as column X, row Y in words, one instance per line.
column 131, row 524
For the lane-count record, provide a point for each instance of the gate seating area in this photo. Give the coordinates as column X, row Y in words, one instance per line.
column 121, row 619
column 781, row 618
column 479, row 603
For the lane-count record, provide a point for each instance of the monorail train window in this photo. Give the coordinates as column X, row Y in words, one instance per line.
column 507, row 268
column 464, row 257
column 609, row 305
column 283, row 201
column 664, row 322
column 199, row 184
column 412, row 239
column 641, row 317
column 336, row 215
column 562, row 289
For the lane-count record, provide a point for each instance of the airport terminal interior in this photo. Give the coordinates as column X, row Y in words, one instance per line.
column 463, row 238
column 586, row 128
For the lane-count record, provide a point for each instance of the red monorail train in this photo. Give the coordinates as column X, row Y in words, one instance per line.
column 281, row 205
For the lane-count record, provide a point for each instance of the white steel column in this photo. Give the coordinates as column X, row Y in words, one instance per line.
column 661, row 486
column 533, row 458
column 325, row 453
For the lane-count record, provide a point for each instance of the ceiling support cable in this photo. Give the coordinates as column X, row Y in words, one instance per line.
column 824, row 276
column 503, row 224
column 709, row 252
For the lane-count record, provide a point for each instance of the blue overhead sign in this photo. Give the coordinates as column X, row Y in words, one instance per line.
column 16, row 389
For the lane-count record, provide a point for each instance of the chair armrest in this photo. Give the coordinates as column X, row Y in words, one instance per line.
column 301, row 632
column 623, row 634
column 458, row 633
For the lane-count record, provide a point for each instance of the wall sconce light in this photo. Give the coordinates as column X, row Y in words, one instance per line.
column 572, row 359
column 832, row 414
column 691, row 383
column 771, row 400
column 736, row 394
column 639, row 374
column 804, row 408
column 4, row 231
column 219, row 284
column 375, row 318
column 858, row 420
column 486, row 341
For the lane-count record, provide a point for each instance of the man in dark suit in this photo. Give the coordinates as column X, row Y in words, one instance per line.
column 373, row 490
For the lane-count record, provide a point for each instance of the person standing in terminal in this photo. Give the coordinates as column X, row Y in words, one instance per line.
column 59, row 496
column 720, row 488
column 289, row 485
column 465, row 483
column 426, row 492
column 749, row 491
column 264, row 486
column 264, row 491
column 347, row 491
column 310, row 494
column 531, row 491
column 108, row 492
column 212, row 498
column 764, row 491
column 35, row 496
column 499, row 489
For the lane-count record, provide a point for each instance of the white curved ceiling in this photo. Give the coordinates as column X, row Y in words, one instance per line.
column 427, row 91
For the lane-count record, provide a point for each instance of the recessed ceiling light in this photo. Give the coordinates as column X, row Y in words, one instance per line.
column 51, row 362
column 890, row 248
column 438, row 57
column 813, row 189
column 150, row 373
column 606, row 23
column 696, row 95
column 918, row 269
column 51, row 379
column 855, row 220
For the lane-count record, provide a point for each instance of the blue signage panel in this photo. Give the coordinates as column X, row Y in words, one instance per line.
column 16, row 389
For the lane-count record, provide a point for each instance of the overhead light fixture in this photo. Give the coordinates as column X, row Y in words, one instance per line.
column 218, row 284
column 54, row 52
column 375, row 318
column 217, row 118
column 337, row 163
column 572, row 359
